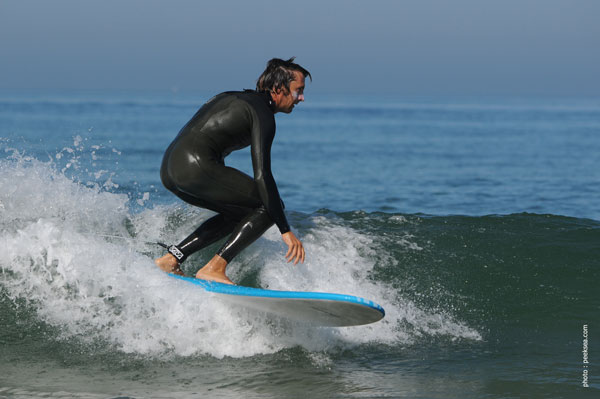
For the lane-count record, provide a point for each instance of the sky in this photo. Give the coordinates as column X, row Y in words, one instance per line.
column 429, row 47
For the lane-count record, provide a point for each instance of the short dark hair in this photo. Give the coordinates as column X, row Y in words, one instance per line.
column 278, row 74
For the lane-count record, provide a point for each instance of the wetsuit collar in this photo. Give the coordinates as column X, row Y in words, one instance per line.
column 265, row 95
column 270, row 101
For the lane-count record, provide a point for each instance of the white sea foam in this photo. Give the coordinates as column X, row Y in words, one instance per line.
column 60, row 255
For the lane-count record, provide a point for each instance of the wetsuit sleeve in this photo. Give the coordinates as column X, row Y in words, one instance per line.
column 263, row 133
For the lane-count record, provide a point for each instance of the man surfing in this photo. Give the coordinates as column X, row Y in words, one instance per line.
column 193, row 169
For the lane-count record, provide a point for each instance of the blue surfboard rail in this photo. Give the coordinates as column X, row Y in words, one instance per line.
column 221, row 288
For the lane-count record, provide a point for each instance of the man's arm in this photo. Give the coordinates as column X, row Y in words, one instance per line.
column 263, row 133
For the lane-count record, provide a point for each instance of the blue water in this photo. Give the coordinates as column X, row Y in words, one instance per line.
column 472, row 156
column 473, row 221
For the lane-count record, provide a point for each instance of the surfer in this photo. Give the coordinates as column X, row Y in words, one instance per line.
column 193, row 169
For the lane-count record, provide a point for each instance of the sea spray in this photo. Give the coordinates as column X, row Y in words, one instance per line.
column 83, row 261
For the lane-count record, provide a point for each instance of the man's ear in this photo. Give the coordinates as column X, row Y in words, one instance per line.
column 281, row 90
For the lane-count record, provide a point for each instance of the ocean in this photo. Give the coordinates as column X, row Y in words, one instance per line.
column 474, row 221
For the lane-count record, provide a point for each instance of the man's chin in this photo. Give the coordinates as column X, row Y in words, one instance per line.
column 286, row 110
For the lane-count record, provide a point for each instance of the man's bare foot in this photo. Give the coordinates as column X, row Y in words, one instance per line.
column 214, row 270
column 219, row 278
column 168, row 263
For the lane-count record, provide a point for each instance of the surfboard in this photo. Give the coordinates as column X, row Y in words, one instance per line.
column 317, row 308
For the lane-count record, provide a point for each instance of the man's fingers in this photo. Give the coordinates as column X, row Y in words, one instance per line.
column 301, row 254
column 290, row 253
column 294, row 254
column 298, row 255
column 295, row 250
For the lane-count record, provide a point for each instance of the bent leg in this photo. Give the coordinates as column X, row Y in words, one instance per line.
column 245, row 233
column 234, row 196
column 209, row 232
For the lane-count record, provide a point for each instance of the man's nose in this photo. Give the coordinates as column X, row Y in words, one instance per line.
column 301, row 97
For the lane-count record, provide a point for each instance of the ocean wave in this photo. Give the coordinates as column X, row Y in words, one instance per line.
column 82, row 262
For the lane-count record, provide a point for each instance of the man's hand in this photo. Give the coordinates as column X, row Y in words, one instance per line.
column 295, row 249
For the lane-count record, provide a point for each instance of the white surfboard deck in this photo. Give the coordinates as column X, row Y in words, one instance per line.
column 317, row 308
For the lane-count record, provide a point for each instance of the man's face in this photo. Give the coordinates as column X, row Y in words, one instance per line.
column 285, row 101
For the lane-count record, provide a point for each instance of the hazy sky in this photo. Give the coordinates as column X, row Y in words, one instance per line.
column 405, row 47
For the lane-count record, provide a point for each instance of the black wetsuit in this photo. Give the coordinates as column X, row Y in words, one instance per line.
column 193, row 168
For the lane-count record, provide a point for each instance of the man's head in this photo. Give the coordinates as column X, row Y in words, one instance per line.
column 284, row 80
